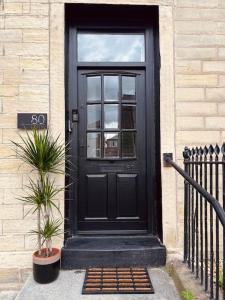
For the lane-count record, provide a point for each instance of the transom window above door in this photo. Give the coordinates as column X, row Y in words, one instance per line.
column 111, row 116
column 110, row 47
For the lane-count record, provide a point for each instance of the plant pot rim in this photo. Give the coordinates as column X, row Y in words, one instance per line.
column 47, row 260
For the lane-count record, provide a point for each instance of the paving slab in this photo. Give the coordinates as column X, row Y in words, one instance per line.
column 69, row 284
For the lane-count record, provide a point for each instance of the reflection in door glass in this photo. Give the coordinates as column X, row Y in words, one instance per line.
column 111, row 116
column 128, row 88
column 111, row 144
column 100, row 47
column 93, row 145
column 128, row 144
column 128, row 116
column 94, row 116
column 93, row 88
column 111, row 88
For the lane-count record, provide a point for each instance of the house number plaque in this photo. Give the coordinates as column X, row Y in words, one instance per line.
column 31, row 120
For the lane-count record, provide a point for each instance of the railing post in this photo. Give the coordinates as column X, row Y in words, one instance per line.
column 186, row 157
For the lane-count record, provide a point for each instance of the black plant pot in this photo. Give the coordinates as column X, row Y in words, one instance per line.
column 46, row 269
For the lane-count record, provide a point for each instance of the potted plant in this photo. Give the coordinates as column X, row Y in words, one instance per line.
column 46, row 156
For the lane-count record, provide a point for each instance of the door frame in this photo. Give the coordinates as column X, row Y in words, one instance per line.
column 151, row 65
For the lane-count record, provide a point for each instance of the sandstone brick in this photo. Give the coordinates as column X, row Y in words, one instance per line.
column 8, row 35
column 12, row 76
column 13, row 166
column 11, row 196
column 37, row 93
column 1, row 77
column 9, row 275
column 34, row 63
column 221, row 109
column 2, row 196
column 196, row 53
column 199, row 14
column 222, row 80
column 11, row 212
column 34, row 106
column 195, row 108
column 40, row 9
column 196, row 80
column 185, row 66
column 8, row 90
column 35, row 35
column 26, row 8
column 221, row 52
column 203, row 40
column 28, row 213
column 188, row 123
column 26, row 49
column 214, row 66
column 6, row 151
column 10, row 135
column 19, row 259
column 217, row 94
column 26, row 22
column 197, row 137
column 9, row 105
column 2, row 22
column 1, row 231
column 196, row 27
column 18, row 226
column 8, row 121
column 10, row 181
column 1, row 49
column 13, row 8
column 9, row 62
column 199, row 3
column 35, row 77
column 215, row 123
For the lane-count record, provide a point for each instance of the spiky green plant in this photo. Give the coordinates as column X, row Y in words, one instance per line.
column 45, row 155
column 187, row 295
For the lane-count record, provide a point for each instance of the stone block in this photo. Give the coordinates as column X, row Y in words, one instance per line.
column 9, row 62
column 8, row 90
column 11, row 196
column 13, row 166
column 195, row 108
column 199, row 14
column 222, row 80
column 13, row 8
column 26, row 49
column 221, row 109
column 10, row 135
column 187, row 66
column 196, row 4
column 9, row 35
column 8, row 121
column 18, row 226
column 197, row 27
column 34, row 63
column 11, row 212
column 215, row 123
column 39, row 9
column 221, row 52
column 190, row 94
column 34, row 106
column 196, row 53
column 9, row 275
column 11, row 243
column 36, row 93
column 26, row 8
column 6, row 151
column 35, row 35
column 189, row 123
column 193, row 80
column 197, row 137
column 216, row 94
column 203, row 40
column 10, row 181
column 214, row 66
column 16, row 22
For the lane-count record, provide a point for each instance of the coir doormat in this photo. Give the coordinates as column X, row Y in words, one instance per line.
column 117, row 281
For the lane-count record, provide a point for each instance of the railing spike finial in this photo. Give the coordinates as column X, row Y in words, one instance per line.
column 206, row 151
column 201, row 151
column 193, row 151
column 217, row 150
column 186, row 153
column 223, row 149
column 211, row 150
column 197, row 150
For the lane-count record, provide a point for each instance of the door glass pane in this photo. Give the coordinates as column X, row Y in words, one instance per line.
column 128, row 88
column 111, row 116
column 111, row 144
column 94, row 116
column 93, row 145
column 128, row 144
column 111, row 88
column 94, row 88
column 128, row 116
column 103, row 47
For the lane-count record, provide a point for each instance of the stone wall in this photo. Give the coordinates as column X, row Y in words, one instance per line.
column 192, row 39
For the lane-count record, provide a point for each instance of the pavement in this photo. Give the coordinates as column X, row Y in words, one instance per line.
column 69, row 284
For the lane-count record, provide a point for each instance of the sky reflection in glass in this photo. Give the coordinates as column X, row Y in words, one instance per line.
column 98, row 47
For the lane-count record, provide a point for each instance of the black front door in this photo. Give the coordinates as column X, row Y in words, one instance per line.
column 112, row 150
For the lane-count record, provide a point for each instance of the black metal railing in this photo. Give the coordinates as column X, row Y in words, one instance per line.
column 204, row 215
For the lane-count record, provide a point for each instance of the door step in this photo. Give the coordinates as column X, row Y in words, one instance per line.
column 113, row 251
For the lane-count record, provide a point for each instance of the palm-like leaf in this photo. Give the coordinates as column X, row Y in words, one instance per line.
column 50, row 229
column 42, row 152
